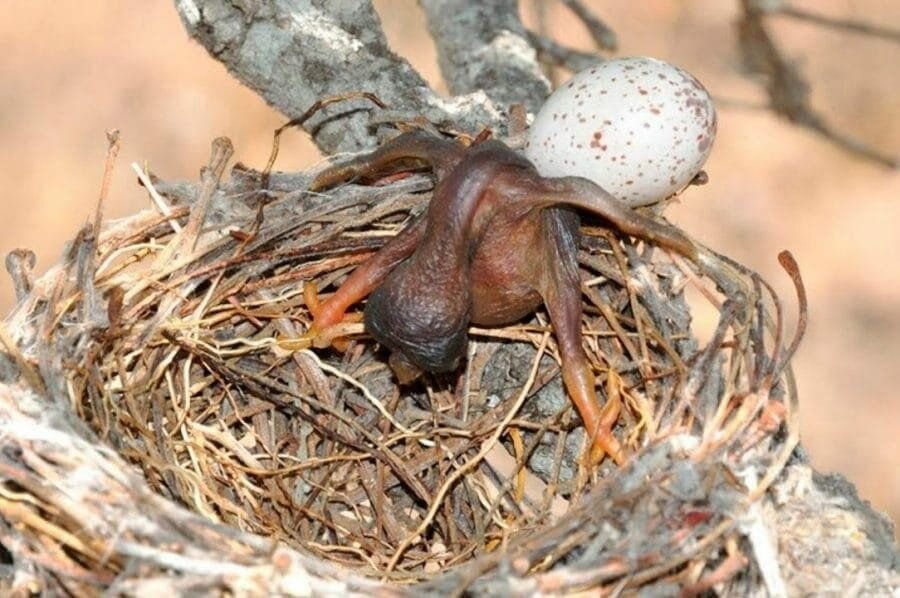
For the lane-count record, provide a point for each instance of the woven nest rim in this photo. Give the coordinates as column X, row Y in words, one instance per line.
column 129, row 538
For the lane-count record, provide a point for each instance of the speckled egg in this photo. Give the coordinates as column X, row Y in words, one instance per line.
column 638, row 127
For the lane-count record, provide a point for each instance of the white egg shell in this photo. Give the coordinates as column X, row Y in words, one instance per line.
column 638, row 127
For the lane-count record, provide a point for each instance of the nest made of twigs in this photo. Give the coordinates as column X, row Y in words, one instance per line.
column 164, row 335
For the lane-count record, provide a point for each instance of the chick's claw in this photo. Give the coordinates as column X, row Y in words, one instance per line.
column 604, row 441
column 336, row 336
column 330, row 326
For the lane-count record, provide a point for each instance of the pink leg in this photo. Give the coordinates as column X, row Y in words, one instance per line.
column 439, row 153
column 583, row 194
column 562, row 296
column 367, row 277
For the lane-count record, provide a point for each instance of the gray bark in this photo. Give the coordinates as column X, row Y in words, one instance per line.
column 483, row 46
column 294, row 52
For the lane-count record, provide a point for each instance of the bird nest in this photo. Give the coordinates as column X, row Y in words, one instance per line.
column 161, row 432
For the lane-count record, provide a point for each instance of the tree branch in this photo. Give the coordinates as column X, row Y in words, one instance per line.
column 483, row 45
column 559, row 55
column 603, row 35
column 788, row 90
column 294, row 52
column 847, row 25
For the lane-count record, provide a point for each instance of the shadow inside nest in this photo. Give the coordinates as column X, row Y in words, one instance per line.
column 179, row 369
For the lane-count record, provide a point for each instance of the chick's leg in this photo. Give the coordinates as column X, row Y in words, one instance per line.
column 359, row 284
column 561, row 291
column 439, row 153
column 581, row 193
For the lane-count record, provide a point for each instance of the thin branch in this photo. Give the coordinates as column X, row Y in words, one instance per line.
column 603, row 35
column 848, row 25
column 788, row 90
column 854, row 145
column 558, row 55
column 484, row 46
column 294, row 53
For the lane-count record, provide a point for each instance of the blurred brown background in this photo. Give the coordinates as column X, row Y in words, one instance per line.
column 70, row 70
